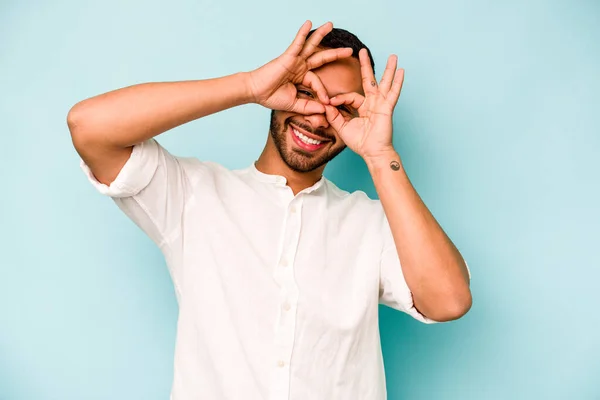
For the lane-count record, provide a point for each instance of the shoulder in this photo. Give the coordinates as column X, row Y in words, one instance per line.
column 357, row 200
column 198, row 175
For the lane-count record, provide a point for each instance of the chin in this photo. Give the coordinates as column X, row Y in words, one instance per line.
column 298, row 147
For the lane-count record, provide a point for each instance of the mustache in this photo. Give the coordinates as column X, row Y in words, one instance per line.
column 317, row 132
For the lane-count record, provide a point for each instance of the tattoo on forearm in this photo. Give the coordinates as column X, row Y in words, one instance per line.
column 395, row 165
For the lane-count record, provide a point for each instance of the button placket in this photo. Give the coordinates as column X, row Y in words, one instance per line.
column 286, row 322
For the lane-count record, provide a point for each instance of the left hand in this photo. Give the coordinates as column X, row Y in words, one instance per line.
column 370, row 133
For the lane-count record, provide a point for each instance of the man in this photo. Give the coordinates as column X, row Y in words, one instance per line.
column 277, row 272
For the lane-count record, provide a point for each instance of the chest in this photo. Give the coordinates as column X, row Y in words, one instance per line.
column 319, row 253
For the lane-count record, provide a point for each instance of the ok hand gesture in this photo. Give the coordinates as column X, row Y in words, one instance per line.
column 369, row 134
column 274, row 84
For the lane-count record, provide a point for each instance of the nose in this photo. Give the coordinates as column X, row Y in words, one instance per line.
column 317, row 121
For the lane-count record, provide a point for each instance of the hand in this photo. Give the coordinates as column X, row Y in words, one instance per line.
column 370, row 133
column 274, row 84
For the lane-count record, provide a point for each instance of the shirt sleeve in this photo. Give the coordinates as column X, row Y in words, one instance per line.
column 151, row 189
column 393, row 289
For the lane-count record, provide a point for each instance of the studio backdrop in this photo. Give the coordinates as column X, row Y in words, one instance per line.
column 498, row 126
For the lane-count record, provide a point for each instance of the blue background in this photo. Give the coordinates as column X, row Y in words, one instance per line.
column 498, row 126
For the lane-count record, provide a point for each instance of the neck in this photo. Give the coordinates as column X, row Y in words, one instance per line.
column 270, row 162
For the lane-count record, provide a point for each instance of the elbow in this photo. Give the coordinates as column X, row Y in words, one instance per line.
column 460, row 302
column 463, row 306
column 453, row 309
column 459, row 308
column 75, row 117
column 78, row 121
column 74, row 122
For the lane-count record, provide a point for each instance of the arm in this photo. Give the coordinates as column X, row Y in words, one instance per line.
column 432, row 267
column 104, row 128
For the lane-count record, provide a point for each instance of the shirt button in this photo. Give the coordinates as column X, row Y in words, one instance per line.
column 286, row 306
column 280, row 363
column 293, row 210
column 284, row 263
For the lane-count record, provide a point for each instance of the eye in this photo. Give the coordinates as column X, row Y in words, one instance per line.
column 345, row 109
column 305, row 92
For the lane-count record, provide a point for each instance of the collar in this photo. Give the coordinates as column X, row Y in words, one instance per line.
column 279, row 180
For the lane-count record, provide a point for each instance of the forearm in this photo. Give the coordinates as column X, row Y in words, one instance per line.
column 124, row 117
column 432, row 266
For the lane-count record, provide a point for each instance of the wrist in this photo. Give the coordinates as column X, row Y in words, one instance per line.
column 388, row 158
column 247, row 88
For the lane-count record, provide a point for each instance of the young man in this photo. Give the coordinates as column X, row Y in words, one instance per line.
column 277, row 272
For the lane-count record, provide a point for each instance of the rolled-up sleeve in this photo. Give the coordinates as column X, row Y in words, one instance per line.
column 135, row 175
column 152, row 189
column 393, row 289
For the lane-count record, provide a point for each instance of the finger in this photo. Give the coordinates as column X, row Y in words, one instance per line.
column 335, row 118
column 366, row 71
column 298, row 43
column 315, row 39
column 388, row 75
column 353, row 99
column 312, row 81
column 307, row 107
column 326, row 56
column 394, row 92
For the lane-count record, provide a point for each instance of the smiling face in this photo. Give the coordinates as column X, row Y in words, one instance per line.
column 307, row 142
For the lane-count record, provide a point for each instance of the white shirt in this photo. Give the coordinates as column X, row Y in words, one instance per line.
column 278, row 294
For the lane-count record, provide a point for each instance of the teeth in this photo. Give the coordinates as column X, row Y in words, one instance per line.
column 305, row 138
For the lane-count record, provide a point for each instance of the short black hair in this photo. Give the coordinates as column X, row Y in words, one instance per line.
column 339, row 38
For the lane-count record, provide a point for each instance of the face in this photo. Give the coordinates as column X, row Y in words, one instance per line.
column 307, row 142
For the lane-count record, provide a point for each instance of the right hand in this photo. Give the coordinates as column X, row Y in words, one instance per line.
column 274, row 84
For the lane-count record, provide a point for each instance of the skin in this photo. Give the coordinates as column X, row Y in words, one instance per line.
column 432, row 266
column 283, row 156
column 307, row 85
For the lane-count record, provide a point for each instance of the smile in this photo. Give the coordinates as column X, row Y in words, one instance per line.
column 304, row 141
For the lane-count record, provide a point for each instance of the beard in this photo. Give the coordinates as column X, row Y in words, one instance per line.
column 297, row 159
